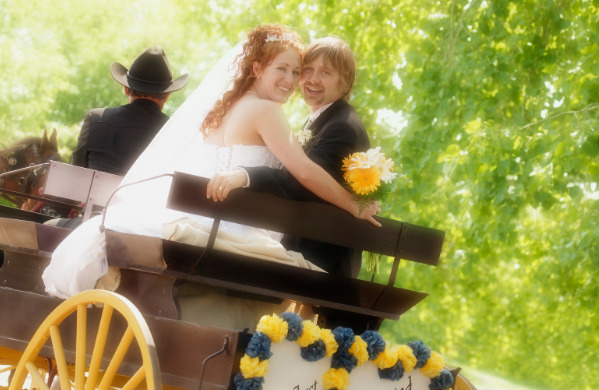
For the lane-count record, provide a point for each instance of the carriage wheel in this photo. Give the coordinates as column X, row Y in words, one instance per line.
column 463, row 384
column 92, row 376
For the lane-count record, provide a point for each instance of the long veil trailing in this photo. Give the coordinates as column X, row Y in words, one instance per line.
column 80, row 259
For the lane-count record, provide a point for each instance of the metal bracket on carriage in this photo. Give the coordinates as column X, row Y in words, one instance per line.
column 226, row 342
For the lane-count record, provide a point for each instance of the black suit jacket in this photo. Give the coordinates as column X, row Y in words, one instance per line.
column 337, row 133
column 111, row 139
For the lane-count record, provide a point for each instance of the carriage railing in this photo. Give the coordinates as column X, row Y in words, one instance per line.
column 24, row 182
column 68, row 186
column 120, row 187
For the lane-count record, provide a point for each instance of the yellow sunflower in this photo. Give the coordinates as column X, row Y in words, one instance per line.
column 363, row 180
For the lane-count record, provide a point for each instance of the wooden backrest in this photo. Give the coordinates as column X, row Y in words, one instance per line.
column 312, row 220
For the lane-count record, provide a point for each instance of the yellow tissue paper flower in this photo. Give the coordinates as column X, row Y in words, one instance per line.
column 386, row 359
column 329, row 341
column 310, row 334
column 359, row 350
column 274, row 327
column 433, row 365
column 406, row 355
column 336, row 378
column 253, row 367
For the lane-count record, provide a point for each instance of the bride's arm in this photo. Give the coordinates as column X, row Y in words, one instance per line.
column 271, row 124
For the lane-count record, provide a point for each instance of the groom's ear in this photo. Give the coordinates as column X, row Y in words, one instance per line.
column 256, row 68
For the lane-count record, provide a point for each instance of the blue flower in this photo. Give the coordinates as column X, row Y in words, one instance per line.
column 242, row 383
column 394, row 373
column 421, row 351
column 344, row 359
column 315, row 351
column 344, row 337
column 259, row 346
column 295, row 325
column 376, row 343
column 443, row 381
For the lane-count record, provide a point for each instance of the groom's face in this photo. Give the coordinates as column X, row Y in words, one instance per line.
column 320, row 83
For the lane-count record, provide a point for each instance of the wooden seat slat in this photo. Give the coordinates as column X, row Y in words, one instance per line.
column 238, row 273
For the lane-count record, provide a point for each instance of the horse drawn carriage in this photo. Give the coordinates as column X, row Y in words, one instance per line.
column 135, row 338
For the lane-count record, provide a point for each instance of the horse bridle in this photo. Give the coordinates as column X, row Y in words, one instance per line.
column 9, row 159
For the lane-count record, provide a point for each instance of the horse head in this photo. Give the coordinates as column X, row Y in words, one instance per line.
column 25, row 153
column 29, row 151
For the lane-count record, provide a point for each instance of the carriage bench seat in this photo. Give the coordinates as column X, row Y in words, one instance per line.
column 274, row 282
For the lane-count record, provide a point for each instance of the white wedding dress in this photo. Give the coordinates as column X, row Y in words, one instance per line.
column 139, row 207
column 80, row 260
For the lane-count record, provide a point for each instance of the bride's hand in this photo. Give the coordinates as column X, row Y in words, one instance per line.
column 368, row 210
column 223, row 182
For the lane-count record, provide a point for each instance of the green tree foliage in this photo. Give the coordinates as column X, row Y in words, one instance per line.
column 489, row 108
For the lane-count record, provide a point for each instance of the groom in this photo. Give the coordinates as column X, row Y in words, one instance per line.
column 326, row 80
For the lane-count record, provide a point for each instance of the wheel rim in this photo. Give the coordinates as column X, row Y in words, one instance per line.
column 92, row 376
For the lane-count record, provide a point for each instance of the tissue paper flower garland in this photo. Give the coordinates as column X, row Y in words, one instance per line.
column 347, row 351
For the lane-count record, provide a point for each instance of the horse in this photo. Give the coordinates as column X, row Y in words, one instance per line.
column 23, row 172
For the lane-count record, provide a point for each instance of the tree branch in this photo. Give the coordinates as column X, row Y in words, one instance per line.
column 587, row 108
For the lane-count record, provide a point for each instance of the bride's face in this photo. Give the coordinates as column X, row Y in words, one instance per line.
column 278, row 80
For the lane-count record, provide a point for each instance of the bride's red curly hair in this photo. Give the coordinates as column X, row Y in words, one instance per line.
column 263, row 45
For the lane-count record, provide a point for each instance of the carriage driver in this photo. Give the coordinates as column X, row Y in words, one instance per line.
column 112, row 138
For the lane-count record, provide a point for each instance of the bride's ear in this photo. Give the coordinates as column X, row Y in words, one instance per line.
column 256, row 68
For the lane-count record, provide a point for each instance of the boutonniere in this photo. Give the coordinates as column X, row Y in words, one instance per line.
column 303, row 136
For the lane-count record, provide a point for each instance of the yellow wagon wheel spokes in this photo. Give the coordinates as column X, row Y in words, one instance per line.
column 87, row 377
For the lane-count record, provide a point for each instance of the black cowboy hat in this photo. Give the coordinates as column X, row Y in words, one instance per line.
column 150, row 72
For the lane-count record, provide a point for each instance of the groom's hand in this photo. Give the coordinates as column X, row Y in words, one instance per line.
column 223, row 182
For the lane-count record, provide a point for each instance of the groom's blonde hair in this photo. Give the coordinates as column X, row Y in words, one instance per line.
column 339, row 56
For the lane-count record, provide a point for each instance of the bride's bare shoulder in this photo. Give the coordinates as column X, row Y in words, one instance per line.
column 259, row 106
column 258, row 113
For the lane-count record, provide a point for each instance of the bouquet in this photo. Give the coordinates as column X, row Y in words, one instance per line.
column 369, row 174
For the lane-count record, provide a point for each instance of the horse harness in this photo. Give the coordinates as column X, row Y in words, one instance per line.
column 24, row 160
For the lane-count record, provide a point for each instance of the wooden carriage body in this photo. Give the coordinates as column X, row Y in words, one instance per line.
column 192, row 355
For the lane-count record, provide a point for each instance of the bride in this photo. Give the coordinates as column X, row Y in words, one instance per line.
column 210, row 132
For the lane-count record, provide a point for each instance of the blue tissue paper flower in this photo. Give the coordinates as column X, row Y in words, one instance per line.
column 344, row 337
column 376, row 343
column 443, row 381
column 242, row 383
column 315, row 351
column 259, row 346
column 421, row 351
column 296, row 328
column 394, row 373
